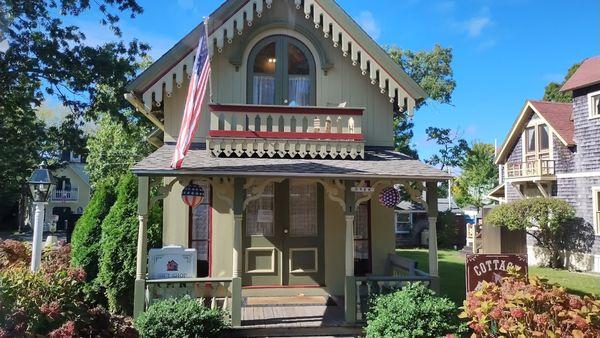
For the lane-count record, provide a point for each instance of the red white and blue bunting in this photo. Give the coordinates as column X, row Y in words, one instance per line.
column 192, row 195
column 389, row 197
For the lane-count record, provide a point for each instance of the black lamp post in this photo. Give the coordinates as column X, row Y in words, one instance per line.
column 40, row 184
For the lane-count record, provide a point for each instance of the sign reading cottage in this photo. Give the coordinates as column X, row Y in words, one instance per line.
column 295, row 140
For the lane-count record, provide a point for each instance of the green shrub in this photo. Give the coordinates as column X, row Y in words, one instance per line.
column 119, row 245
column 447, row 231
column 414, row 311
column 88, row 233
column 183, row 317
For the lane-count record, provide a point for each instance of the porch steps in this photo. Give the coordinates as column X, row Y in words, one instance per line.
column 295, row 331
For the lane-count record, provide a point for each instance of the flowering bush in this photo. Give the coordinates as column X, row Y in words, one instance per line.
column 51, row 302
column 13, row 253
column 530, row 308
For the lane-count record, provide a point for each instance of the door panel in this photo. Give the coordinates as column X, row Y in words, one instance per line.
column 283, row 236
column 261, row 242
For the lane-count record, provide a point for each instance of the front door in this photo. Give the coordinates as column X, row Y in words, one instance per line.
column 283, row 236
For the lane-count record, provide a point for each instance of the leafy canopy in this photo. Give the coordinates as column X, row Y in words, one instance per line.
column 479, row 175
column 552, row 89
column 432, row 70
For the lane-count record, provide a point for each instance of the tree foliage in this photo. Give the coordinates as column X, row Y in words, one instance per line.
column 453, row 148
column 119, row 245
column 46, row 56
column 87, row 234
column 550, row 221
column 552, row 89
column 479, row 175
column 432, row 70
column 115, row 147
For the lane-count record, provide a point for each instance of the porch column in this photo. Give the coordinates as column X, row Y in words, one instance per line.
column 432, row 213
column 142, row 244
column 350, row 282
column 236, row 286
column 238, row 211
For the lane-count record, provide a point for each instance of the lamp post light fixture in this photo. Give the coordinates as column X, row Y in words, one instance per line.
column 40, row 184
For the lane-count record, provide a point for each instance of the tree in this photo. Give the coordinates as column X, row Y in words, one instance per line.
column 46, row 57
column 85, row 244
column 550, row 221
column 479, row 175
column 119, row 243
column 115, row 147
column 552, row 89
column 432, row 70
column 451, row 153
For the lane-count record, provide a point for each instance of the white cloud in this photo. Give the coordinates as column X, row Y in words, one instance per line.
column 368, row 23
column 475, row 26
column 3, row 46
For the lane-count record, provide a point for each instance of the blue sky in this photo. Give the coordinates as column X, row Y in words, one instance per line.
column 505, row 51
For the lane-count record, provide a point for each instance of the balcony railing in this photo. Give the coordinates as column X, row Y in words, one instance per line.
column 65, row 195
column 307, row 131
column 535, row 168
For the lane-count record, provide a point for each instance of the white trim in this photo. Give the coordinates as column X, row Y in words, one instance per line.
column 590, row 98
column 300, row 271
column 264, row 249
column 596, row 209
column 579, row 174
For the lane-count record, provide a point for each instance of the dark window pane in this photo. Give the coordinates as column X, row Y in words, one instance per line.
column 297, row 61
column 544, row 137
column 266, row 60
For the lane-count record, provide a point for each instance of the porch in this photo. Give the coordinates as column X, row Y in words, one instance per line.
column 343, row 186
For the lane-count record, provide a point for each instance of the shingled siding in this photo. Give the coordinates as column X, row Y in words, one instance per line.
column 564, row 158
column 587, row 133
column 578, row 193
column 516, row 156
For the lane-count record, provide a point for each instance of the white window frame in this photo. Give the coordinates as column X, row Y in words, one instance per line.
column 592, row 110
column 410, row 221
column 596, row 209
column 536, row 124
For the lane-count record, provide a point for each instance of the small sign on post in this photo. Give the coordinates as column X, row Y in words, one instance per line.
column 362, row 189
column 172, row 262
column 491, row 268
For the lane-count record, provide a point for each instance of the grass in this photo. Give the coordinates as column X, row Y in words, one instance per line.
column 452, row 274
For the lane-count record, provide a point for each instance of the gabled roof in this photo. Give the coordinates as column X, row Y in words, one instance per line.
column 558, row 117
column 223, row 20
column 586, row 75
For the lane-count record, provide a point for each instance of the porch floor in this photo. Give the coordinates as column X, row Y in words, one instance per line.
column 294, row 316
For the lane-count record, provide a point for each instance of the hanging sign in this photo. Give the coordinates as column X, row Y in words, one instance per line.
column 172, row 262
column 362, row 189
column 491, row 268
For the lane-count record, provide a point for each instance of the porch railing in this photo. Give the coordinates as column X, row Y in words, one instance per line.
column 530, row 168
column 221, row 293
column 261, row 121
column 360, row 290
column 65, row 195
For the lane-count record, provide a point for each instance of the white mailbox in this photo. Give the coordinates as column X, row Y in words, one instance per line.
column 172, row 262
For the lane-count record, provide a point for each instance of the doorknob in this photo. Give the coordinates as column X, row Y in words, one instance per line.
column 285, row 101
column 285, row 231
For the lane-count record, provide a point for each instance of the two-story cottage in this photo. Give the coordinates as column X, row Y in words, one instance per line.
column 553, row 149
column 294, row 142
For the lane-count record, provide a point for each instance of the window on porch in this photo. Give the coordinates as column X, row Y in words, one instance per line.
column 200, row 231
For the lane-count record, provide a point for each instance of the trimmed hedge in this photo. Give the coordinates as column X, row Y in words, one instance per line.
column 87, row 234
column 119, row 245
column 183, row 317
column 414, row 311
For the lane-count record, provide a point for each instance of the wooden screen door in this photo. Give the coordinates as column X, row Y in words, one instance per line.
column 283, row 236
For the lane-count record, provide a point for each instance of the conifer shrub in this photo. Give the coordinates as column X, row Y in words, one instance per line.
column 119, row 245
column 413, row 311
column 88, row 232
column 180, row 317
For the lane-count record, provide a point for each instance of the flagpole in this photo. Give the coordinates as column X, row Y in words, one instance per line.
column 210, row 90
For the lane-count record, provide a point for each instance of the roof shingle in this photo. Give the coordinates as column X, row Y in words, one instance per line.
column 559, row 116
column 378, row 163
column 588, row 74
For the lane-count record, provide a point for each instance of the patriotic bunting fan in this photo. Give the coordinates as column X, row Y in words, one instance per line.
column 389, row 197
column 192, row 195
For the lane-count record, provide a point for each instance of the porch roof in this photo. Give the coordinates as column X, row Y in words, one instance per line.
column 378, row 163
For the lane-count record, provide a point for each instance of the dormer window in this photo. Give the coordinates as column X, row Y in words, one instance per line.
column 537, row 142
column 594, row 104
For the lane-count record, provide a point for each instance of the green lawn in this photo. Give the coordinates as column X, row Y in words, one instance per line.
column 452, row 274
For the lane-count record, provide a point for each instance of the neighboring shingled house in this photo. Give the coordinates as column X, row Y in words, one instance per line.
column 553, row 149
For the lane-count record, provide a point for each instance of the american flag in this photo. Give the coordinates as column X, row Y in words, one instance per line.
column 195, row 99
